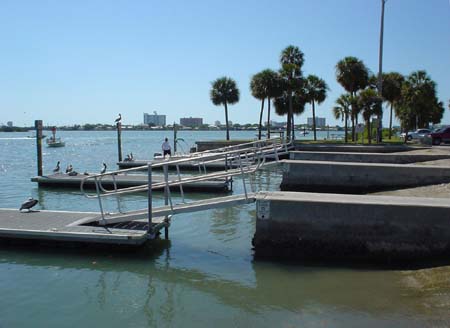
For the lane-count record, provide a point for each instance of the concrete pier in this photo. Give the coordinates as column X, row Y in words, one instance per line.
column 357, row 157
column 340, row 177
column 331, row 226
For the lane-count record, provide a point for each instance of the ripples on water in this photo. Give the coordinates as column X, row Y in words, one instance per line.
column 204, row 276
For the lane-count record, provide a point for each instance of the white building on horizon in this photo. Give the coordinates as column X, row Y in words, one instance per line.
column 320, row 122
column 155, row 119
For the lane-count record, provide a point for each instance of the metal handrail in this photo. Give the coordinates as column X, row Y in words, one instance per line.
column 214, row 157
column 232, row 155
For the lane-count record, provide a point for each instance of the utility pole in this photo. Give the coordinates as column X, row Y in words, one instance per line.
column 380, row 74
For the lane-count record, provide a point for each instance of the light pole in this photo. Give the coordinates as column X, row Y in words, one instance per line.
column 380, row 73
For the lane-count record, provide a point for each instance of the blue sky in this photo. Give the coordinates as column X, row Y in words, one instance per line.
column 74, row 62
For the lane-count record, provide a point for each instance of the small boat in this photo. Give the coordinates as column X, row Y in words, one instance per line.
column 33, row 136
column 53, row 141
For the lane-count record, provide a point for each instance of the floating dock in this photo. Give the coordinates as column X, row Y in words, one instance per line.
column 58, row 226
column 62, row 180
column 193, row 165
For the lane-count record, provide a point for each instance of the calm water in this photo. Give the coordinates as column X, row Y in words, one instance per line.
column 205, row 276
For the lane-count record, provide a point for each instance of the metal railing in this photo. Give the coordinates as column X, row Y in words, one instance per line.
column 238, row 160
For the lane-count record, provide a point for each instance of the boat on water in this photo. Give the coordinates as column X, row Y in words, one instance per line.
column 53, row 141
column 33, row 136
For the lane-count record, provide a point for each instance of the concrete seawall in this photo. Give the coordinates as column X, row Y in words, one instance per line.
column 340, row 177
column 355, row 148
column 374, row 228
column 403, row 158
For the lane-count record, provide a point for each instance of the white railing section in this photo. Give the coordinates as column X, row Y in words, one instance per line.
column 239, row 160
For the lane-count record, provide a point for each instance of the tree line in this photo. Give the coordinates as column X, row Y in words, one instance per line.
column 413, row 98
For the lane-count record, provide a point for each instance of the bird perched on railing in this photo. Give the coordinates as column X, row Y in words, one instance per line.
column 69, row 168
column 57, row 168
column 118, row 119
column 27, row 205
column 104, row 168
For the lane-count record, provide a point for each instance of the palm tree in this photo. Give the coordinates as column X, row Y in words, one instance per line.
column 316, row 91
column 265, row 85
column 392, row 92
column 353, row 75
column 224, row 91
column 291, row 60
column 370, row 104
column 342, row 111
column 274, row 89
column 282, row 103
column 259, row 91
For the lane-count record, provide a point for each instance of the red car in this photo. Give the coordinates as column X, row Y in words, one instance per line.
column 441, row 135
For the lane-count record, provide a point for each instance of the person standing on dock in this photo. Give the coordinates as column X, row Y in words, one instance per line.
column 167, row 150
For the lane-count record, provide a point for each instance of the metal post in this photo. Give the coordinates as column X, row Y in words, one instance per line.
column 167, row 196
column 243, row 178
column 38, row 126
column 149, row 198
column 99, row 199
column 380, row 74
column 174, row 138
column 166, row 199
column 119, row 140
column 181, row 184
column 115, row 191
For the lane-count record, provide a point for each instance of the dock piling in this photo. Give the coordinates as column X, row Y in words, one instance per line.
column 119, row 140
column 38, row 126
column 149, row 193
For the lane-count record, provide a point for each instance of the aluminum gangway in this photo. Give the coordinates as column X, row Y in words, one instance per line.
column 239, row 160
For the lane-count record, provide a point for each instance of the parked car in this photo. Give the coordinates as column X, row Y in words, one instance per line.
column 441, row 135
column 419, row 133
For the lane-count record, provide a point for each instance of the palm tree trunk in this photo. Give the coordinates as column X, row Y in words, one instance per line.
column 226, row 121
column 369, row 132
column 293, row 128
column 353, row 127
column 268, row 118
column 314, row 120
column 390, row 124
column 346, row 127
column 260, row 118
column 289, row 117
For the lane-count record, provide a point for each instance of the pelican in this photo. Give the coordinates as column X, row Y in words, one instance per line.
column 56, row 169
column 69, row 168
column 27, row 205
column 104, row 168
column 118, row 119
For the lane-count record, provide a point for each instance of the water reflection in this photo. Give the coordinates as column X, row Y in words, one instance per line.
column 155, row 287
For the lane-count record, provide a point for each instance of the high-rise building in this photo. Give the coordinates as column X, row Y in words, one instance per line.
column 192, row 122
column 320, row 122
column 155, row 119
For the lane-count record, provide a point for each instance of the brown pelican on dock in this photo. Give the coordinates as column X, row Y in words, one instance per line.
column 27, row 205
column 69, row 168
column 57, row 168
column 118, row 119
column 104, row 168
